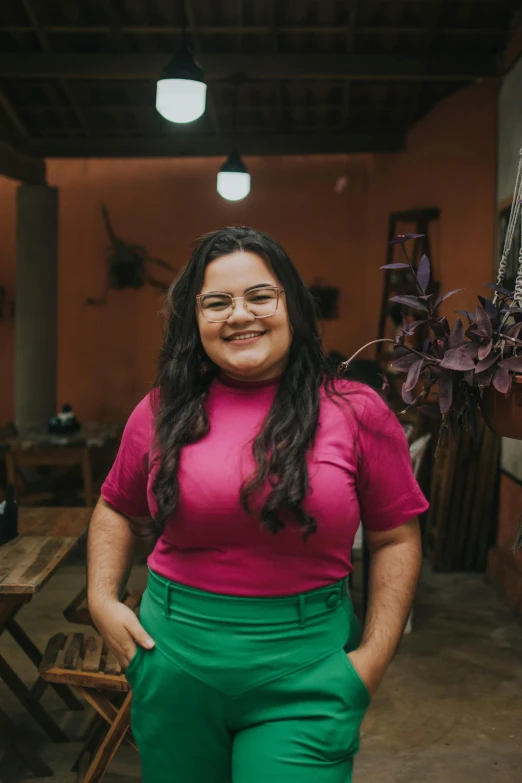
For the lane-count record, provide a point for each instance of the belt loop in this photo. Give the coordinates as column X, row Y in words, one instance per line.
column 166, row 600
column 302, row 611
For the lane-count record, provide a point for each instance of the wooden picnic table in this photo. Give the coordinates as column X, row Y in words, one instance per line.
column 46, row 537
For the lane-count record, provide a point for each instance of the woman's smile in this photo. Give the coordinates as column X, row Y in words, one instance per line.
column 245, row 338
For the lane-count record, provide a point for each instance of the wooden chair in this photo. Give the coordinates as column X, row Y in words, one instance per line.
column 84, row 662
column 17, row 460
column 78, row 611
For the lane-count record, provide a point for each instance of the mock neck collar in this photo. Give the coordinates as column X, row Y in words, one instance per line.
column 235, row 384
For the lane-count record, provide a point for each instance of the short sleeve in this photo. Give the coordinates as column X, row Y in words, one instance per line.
column 389, row 494
column 125, row 488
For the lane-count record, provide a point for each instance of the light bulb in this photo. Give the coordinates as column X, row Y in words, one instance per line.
column 233, row 179
column 180, row 100
column 233, row 185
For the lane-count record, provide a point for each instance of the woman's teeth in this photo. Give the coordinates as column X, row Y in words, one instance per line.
column 247, row 336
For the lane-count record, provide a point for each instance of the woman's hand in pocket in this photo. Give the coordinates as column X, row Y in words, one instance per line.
column 120, row 629
column 368, row 670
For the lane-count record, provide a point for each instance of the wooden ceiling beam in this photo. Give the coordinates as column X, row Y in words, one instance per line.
column 114, row 25
column 184, row 144
column 175, row 29
column 41, row 34
column 260, row 66
column 24, row 168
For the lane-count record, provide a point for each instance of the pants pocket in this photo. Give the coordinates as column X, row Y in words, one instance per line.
column 348, row 709
column 131, row 668
column 358, row 684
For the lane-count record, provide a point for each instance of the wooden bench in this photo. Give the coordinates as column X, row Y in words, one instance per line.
column 78, row 611
column 84, row 662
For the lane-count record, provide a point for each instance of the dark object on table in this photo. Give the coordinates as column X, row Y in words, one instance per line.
column 8, row 517
column 64, row 423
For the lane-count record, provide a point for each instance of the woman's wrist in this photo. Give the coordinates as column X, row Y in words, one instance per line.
column 97, row 602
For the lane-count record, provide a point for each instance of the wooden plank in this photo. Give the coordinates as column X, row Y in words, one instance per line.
column 353, row 66
column 50, row 549
column 93, row 654
column 14, row 559
column 112, row 665
column 82, row 679
column 66, row 521
column 73, row 651
column 204, row 145
column 54, row 645
column 47, row 554
column 61, row 653
column 27, row 561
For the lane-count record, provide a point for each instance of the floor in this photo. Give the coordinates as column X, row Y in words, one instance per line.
column 449, row 709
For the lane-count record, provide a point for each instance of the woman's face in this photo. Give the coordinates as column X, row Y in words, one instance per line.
column 266, row 355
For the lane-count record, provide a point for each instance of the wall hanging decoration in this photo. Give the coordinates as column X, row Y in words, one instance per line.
column 326, row 299
column 128, row 264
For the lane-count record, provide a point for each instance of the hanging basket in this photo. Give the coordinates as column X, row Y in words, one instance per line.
column 503, row 413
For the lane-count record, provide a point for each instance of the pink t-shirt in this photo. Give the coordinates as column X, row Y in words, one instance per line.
column 210, row 543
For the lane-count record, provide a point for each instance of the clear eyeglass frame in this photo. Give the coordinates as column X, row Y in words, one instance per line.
column 279, row 291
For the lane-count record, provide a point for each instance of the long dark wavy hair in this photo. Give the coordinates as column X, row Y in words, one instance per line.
column 185, row 374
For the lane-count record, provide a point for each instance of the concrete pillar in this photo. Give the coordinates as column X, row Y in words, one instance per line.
column 36, row 304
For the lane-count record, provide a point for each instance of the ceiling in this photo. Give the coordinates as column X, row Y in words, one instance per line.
column 285, row 76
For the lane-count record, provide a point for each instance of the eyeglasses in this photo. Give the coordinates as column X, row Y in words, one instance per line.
column 262, row 303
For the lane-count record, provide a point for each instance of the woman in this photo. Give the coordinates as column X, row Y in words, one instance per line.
column 252, row 465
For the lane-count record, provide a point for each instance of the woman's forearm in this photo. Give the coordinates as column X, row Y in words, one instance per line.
column 110, row 549
column 394, row 575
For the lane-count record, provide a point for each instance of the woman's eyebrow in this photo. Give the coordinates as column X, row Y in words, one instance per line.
column 252, row 288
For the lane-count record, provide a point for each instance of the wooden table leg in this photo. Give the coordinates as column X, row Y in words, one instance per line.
column 87, row 477
column 37, row 765
column 32, row 652
column 23, row 694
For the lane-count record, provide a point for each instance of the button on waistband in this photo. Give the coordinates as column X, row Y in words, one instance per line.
column 332, row 601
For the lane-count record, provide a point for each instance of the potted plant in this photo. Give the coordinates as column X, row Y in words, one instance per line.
column 462, row 367
column 127, row 264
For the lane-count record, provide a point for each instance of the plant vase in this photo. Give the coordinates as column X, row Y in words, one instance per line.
column 503, row 412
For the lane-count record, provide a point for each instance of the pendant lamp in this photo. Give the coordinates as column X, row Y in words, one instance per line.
column 233, row 179
column 181, row 90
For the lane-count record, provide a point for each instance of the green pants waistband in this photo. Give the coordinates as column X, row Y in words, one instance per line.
column 180, row 599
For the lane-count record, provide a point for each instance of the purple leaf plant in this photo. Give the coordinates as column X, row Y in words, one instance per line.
column 459, row 361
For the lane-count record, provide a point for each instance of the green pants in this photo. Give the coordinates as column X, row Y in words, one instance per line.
column 246, row 690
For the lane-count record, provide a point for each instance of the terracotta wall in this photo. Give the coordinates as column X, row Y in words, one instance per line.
column 450, row 163
column 107, row 355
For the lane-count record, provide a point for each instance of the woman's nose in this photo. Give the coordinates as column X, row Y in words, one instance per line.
column 240, row 312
